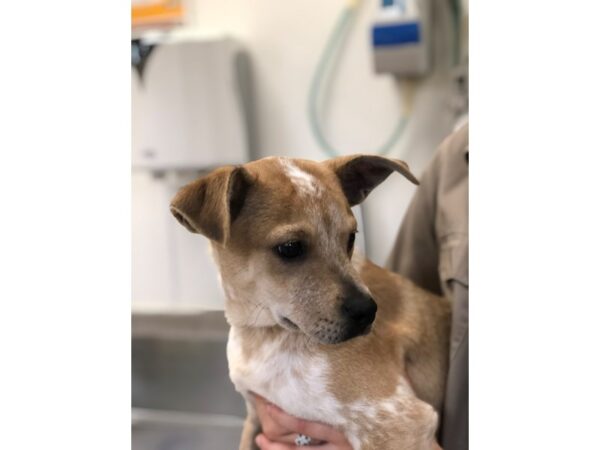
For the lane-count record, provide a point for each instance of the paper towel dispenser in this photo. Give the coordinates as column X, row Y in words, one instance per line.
column 190, row 103
column 190, row 112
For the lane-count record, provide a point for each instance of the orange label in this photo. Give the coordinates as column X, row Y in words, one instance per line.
column 158, row 12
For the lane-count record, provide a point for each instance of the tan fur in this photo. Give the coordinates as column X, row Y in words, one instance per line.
column 247, row 212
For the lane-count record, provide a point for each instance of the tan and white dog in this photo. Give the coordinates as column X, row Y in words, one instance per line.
column 315, row 328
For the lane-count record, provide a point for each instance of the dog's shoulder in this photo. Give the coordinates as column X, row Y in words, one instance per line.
column 416, row 323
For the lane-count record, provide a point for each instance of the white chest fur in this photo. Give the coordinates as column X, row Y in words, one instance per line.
column 287, row 376
column 297, row 379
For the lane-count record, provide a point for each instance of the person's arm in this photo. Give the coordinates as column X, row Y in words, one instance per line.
column 432, row 250
column 415, row 254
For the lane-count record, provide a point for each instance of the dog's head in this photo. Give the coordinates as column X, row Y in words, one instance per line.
column 282, row 234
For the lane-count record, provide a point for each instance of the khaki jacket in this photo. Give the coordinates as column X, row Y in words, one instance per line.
column 432, row 249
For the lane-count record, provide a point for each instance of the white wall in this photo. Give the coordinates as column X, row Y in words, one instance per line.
column 284, row 39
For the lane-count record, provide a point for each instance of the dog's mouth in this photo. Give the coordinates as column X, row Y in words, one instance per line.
column 287, row 323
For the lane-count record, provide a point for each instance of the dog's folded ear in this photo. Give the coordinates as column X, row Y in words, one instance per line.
column 210, row 204
column 360, row 174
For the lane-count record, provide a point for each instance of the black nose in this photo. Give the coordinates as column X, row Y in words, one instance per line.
column 360, row 308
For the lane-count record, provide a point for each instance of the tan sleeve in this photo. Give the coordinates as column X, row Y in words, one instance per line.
column 415, row 254
column 432, row 249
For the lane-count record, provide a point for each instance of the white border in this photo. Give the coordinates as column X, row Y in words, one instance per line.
column 535, row 227
column 65, row 258
column 65, row 239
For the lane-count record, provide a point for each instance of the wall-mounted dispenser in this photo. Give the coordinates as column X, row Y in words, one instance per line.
column 190, row 113
column 400, row 38
column 189, row 102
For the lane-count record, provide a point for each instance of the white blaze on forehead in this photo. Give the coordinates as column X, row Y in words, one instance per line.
column 304, row 181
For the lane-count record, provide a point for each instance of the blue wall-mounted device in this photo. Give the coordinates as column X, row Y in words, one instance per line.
column 400, row 38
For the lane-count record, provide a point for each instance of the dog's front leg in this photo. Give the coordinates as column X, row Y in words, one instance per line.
column 251, row 429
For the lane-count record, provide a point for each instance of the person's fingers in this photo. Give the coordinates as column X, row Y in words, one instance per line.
column 315, row 430
column 279, row 427
column 265, row 444
column 261, row 406
column 329, row 447
column 289, row 438
column 269, row 426
column 260, row 403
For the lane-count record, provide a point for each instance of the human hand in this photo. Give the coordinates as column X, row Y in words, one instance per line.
column 280, row 431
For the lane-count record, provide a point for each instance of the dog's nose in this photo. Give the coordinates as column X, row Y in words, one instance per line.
column 360, row 308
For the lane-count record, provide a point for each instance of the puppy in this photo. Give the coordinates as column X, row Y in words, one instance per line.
column 317, row 329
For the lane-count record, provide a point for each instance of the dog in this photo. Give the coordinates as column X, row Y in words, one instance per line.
column 317, row 329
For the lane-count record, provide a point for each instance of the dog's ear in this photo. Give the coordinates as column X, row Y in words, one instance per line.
column 210, row 204
column 360, row 174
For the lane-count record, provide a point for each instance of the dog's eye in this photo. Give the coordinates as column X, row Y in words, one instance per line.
column 351, row 239
column 290, row 250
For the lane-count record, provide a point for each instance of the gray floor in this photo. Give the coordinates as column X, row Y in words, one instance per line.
column 182, row 397
column 180, row 438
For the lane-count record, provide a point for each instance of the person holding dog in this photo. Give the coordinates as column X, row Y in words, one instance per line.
column 432, row 250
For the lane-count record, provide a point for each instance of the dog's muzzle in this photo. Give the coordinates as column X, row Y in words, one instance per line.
column 359, row 312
